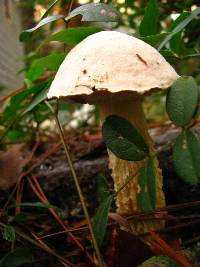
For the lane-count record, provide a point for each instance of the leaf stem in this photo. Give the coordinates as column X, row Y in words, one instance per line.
column 126, row 183
column 101, row 264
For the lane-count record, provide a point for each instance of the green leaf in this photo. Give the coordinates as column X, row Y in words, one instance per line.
column 95, row 12
column 8, row 233
column 149, row 24
column 169, row 54
column 160, row 261
column 180, row 27
column 182, row 99
column 186, row 157
column 50, row 62
column 25, row 34
column 143, row 202
column 101, row 219
column 38, row 98
column 36, row 205
column 17, row 258
column 154, row 40
column 151, row 182
column 18, row 102
column 103, row 190
column 146, row 198
column 123, row 139
column 176, row 41
column 17, row 135
column 72, row 36
column 32, row 75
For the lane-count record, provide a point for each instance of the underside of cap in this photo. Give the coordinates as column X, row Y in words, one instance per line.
column 111, row 62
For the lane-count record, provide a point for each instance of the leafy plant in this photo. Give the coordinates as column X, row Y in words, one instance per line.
column 123, row 139
column 146, row 197
column 182, row 101
column 160, row 261
column 8, row 233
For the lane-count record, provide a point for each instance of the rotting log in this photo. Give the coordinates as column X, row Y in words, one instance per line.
column 55, row 173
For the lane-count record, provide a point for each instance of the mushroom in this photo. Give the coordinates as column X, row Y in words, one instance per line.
column 113, row 70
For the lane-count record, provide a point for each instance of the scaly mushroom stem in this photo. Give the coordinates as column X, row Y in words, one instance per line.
column 131, row 109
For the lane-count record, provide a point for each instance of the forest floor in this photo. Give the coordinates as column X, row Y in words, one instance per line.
column 39, row 200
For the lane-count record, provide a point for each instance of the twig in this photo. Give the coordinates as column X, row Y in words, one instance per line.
column 125, row 184
column 19, row 197
column 159, row 243
column 101, row 264
column 178, row 226
column 165, row 217
column 167, row 208
column 40, row 194
column 47, row 248
column 70, row 6
column 25, row 173
column 195, row 239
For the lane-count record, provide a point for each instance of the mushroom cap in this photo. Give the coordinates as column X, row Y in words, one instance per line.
column 114, row 62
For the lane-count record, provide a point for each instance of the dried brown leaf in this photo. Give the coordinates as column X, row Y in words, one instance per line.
column 11, row 164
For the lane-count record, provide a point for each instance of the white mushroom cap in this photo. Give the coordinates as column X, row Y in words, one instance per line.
column 111, row 61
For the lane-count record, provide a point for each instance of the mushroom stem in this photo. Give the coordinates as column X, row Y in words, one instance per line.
column 131, row 109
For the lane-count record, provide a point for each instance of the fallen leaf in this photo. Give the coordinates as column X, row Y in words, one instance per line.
column 11, row 164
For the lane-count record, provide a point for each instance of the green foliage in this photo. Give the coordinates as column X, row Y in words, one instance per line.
column 146, row 197
column 17, row 135
column 182, row 101
column 72, row 36
column 8, row 233
column 180, row 26
column 101, row 218
column 89, row 12
column 26, row 34
column 149, row 24
column 17, row 258
column 103, row 190
column 19, row 102
column 123, row 139
column 154, row 40
column 186, row 157
column 38, row 98
column 160, row 261
column 50, row 62
column 176, row 42
column 95, row 12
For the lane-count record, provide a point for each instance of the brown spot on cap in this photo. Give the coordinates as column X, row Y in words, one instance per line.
column 141, row 59
column 84, row 71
